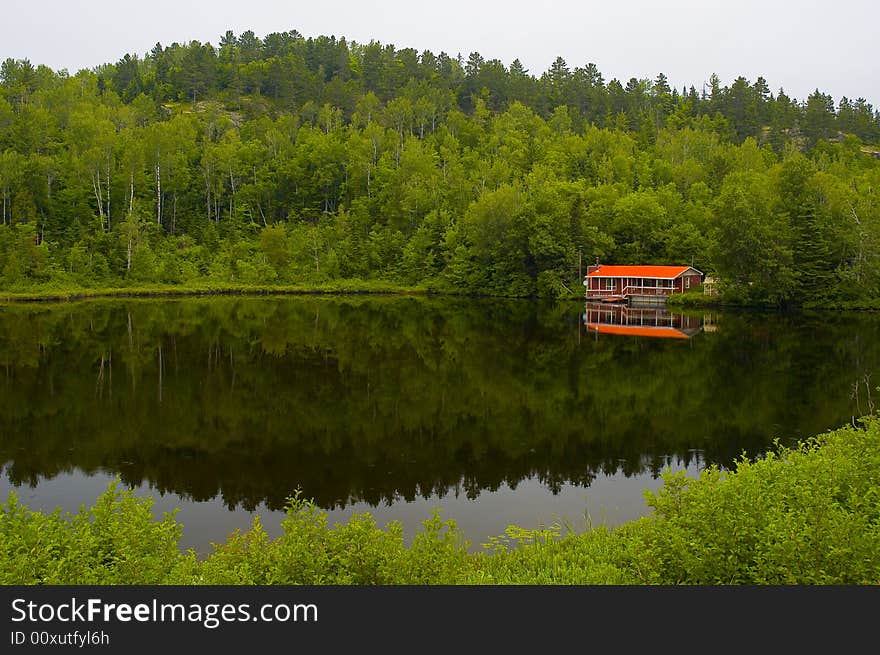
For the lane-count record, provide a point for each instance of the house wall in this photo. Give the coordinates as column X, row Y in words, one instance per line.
column 695, row 281
column 678, row 285
column 681, row 286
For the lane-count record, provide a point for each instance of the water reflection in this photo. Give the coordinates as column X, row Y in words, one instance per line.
column 395, row 403
column 651, row 321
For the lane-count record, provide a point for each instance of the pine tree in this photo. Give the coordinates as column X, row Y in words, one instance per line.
column 811, row 250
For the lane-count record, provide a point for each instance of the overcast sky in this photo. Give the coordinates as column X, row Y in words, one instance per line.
column 798, row 45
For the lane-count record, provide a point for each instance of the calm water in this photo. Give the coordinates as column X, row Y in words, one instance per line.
column 496, row 412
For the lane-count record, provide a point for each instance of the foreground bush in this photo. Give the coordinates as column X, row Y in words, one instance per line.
column 804, row 516
column 810, row 516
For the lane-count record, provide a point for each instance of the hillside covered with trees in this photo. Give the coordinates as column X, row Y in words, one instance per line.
column 294, row 160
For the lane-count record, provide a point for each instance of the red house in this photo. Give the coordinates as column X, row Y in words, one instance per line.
column 639, row 283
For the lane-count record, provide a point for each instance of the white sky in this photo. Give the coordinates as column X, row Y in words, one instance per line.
column 798, row 45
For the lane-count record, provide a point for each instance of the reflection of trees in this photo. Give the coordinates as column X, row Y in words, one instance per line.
column 377, row 399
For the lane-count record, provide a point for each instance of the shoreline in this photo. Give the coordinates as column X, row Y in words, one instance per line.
column 700, row 301
column 689, row 301
column 77, row 294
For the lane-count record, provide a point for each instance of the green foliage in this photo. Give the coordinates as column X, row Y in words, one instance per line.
column 808, row 516
column 288, row 159
column 117, row 541
column 751, row 240
column 273, row 243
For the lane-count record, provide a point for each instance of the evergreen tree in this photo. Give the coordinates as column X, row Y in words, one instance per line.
column 811, row 253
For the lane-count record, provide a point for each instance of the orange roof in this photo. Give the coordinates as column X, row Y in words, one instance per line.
column 638, row 331
column 662, row 272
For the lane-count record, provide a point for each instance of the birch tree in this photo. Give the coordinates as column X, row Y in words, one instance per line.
column 91, row 144
column 11, row 164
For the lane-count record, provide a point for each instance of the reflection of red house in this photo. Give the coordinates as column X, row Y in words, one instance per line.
column 605, row 318
column 645, row 283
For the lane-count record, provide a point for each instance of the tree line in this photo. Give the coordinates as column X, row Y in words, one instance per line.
column 289, row 159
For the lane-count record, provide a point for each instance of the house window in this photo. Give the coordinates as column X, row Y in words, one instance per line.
column 687, row 283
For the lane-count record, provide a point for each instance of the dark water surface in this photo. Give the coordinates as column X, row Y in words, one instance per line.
column 497, row 412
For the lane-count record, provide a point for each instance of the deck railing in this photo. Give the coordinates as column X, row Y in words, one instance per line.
column 647, row 291
column 632, row 290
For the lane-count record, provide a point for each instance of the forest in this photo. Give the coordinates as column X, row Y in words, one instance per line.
column 307, row 160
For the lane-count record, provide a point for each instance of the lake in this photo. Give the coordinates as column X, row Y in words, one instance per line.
column 497, row 412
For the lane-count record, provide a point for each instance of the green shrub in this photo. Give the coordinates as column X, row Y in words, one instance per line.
column 114, row 542
column 805, row 516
